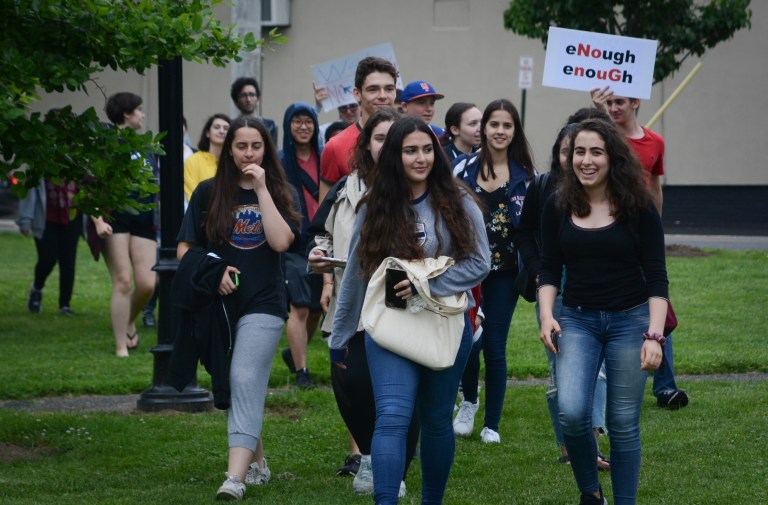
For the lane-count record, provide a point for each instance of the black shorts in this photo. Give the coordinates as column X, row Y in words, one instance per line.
column 138, row 226
column 304, row 288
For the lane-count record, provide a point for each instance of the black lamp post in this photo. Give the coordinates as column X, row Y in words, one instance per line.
column 161, row 396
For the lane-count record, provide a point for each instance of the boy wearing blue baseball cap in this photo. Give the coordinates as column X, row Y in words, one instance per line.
column 419, row 101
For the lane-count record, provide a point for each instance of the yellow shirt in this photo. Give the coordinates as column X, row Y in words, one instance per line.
column 198, row 167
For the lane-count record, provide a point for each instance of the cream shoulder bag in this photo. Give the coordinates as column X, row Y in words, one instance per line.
column 431, row 336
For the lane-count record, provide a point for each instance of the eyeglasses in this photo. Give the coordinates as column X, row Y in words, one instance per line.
column 248, row 95
column 298, row 123
column 348, row 107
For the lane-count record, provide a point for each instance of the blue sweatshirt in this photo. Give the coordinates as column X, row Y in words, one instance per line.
column 462, row 276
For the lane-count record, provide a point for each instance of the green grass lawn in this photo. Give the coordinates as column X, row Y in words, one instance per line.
column 711, row 452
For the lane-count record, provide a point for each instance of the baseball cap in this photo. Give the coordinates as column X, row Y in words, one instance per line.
column 418, row 89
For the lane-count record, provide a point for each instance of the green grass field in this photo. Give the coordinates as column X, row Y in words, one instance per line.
column 709, row 453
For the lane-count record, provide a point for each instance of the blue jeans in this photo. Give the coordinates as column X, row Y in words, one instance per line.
column 588, row 337
column 398, row 385
column 499, row 301
column 664, row 376
column 598, row 404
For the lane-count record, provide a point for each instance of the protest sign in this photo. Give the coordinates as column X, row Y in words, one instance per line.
column 338, row 76
column 585, row 60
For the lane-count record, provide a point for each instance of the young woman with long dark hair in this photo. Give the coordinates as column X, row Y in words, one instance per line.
column 499, row 174
column 603, row 228
column 414, row 209
column 246, row 215
column 462, row 130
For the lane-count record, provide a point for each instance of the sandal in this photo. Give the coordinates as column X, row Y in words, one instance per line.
column 131, row 338
column 603, row 463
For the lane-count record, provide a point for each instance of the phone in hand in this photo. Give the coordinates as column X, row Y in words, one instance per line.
column 235, row 278
column 555, row 337
column 394, row 276
column 337, row 262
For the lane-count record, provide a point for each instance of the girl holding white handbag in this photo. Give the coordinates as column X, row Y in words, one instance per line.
column 414, row 209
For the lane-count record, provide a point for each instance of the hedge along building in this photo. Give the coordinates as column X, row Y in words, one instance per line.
column 714, row 131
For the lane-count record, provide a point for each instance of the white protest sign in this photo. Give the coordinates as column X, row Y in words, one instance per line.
column 585, row 60
column 338, row 76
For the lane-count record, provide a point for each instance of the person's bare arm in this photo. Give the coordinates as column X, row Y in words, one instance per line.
column 656, row 192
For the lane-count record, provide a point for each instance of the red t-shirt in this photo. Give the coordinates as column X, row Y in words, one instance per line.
column 334, row 163
column 650, row 150
column 58, row 200
column 310, row 167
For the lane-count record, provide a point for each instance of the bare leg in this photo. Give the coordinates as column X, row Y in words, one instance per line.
column 296, row 334
column 117, row 257
column 238, row 461
column 143, row 257
column 353, row 448
column 258, row 456
column 313, row 321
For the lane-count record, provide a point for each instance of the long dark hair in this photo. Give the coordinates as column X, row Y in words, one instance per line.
column 226, row 183
column 519, row 150
column 626, row 189
column 453, row 118
column 390, row 222
column 362, row 161
column 204, row 144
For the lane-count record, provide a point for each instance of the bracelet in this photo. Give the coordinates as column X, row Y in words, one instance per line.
column 661, row 339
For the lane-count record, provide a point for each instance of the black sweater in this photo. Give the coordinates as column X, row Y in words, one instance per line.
column 612, row 268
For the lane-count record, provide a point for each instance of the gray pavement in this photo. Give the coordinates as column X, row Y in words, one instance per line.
column 714, row 241
column 126, row 404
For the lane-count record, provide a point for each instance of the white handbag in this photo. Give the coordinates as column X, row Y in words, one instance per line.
column 429, row 337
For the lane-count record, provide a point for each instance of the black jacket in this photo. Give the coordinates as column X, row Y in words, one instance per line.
column 206, row 329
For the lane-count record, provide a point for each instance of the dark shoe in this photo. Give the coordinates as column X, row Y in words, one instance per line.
column 288, row 359
column 591, row 499
column 565, row 459
column 133, row 341
column 148, row 319
column 672, row 400
column 66, row 311
column 35, row 300
column 351, row 466
column 304, row 380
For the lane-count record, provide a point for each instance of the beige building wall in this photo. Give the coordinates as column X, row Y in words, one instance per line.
column 715, row 131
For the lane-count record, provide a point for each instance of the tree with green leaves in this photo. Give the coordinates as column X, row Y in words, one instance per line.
column 53, row 45
column 682, row 27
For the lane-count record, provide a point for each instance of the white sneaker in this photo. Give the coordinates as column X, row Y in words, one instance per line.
column 232, row 489
column 257, row 476
column 401, row 493
column 363, row 483
column 464, row 422
column 489, row 436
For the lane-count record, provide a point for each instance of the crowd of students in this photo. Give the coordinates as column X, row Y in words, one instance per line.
column 385, row 181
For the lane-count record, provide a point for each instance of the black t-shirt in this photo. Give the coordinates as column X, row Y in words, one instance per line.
column 612, row 268
column 262, row 288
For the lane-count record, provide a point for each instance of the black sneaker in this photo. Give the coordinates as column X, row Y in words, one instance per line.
column 351, row 466
column 672, row 400
column 591, row 499
column 148, row 319
column 35, row 300
column 288, row 359
column 66, row 311
column 304, row 380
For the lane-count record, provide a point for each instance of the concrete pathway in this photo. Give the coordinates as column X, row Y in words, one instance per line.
column 126, row 404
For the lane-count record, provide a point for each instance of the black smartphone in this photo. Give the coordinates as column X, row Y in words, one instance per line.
column 235, row 278
column 555, row 340
column 394, row 276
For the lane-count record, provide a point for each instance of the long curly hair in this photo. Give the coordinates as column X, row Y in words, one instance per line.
column 390, row 222
column 519, row 150
column 626, row 188
column 225, row 188
column 362, row 161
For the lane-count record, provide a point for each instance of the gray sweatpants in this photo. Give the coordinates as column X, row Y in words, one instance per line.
column 255, row 347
